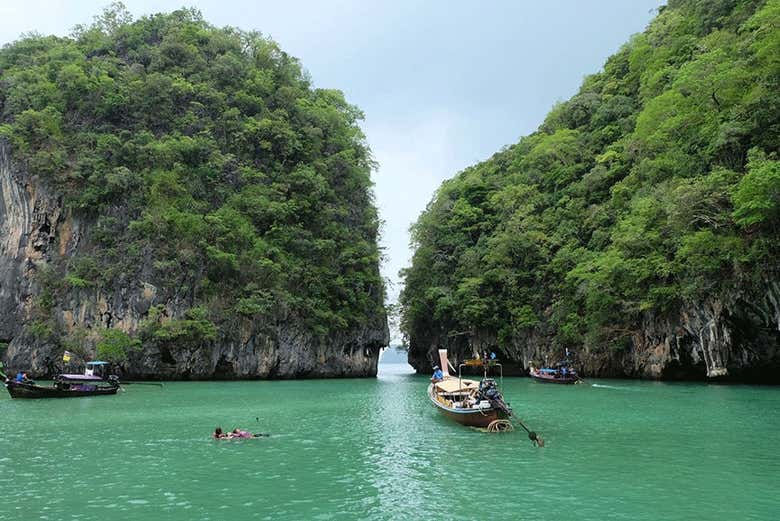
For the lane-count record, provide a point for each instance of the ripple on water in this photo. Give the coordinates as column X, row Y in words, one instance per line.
column 358, row 449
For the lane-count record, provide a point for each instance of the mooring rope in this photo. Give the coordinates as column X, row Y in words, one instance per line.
column 500, row 426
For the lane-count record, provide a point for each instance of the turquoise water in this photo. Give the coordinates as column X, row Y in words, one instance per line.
column 376, row 449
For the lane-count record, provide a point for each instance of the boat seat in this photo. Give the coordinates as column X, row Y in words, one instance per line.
column 453, row 385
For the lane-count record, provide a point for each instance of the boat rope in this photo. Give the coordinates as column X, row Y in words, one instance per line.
column 501, row 405
column 500, row 426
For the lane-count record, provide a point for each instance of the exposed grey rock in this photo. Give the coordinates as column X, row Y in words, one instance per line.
column 734, row 336
column 36, row 232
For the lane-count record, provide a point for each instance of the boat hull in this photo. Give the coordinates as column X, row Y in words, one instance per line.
column 28, row 390
column 553, row 380
column 471, row 418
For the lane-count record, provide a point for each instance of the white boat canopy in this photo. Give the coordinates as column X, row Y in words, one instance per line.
column 451, row 385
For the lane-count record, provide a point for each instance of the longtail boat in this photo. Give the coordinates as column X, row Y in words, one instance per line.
column 94, row 382
column 562, row 373
column 470, row 402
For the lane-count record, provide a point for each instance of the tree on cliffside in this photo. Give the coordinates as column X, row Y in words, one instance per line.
column 114, row 345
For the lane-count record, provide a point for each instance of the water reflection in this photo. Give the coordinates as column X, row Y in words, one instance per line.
column 399, row 462
column 376, row 449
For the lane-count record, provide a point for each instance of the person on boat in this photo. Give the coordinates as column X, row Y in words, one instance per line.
column 438, row 376
column 21, row 377
column 238, row 433
column 218, row 434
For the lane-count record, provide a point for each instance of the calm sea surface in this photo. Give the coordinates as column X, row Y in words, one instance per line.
column 376, row 449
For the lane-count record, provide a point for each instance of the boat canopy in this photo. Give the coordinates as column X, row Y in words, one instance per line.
column 98, row 362
column 452, row 385
column 83, row 377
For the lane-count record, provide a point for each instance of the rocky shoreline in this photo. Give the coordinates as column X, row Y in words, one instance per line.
column 735, row 339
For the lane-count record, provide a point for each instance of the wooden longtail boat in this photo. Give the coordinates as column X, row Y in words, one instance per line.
column 563, row 374
column 91, row 383
column 468, row 402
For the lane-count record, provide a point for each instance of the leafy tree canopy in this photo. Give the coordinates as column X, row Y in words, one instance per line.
column 659, row 182
column 206, row 161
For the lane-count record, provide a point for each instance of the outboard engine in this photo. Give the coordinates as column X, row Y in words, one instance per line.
column 488, row 390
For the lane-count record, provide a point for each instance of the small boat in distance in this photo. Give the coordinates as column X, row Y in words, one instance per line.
column 94, row 382
column 470, row 402
column 561, row 373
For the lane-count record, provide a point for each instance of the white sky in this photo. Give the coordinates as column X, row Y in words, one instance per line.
column 443, row 83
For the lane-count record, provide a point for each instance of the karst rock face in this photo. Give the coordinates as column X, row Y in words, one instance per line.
column 35, row 230
column 638, row 227
column 179, row 199
column 732, row 340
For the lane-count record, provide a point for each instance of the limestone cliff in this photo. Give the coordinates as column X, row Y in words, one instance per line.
column 725, row 339
column 37, row 233
column 638, row 226
column 180, row 199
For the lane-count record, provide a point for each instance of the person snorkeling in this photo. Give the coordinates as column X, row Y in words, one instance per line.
column 219, row 434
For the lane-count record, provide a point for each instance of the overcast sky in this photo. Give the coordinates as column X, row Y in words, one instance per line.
column 443, row 83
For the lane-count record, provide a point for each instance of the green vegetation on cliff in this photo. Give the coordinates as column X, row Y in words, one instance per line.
column 657, row 184
column 205, row 163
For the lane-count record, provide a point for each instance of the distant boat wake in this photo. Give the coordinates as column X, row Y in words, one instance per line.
column 600, row 386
